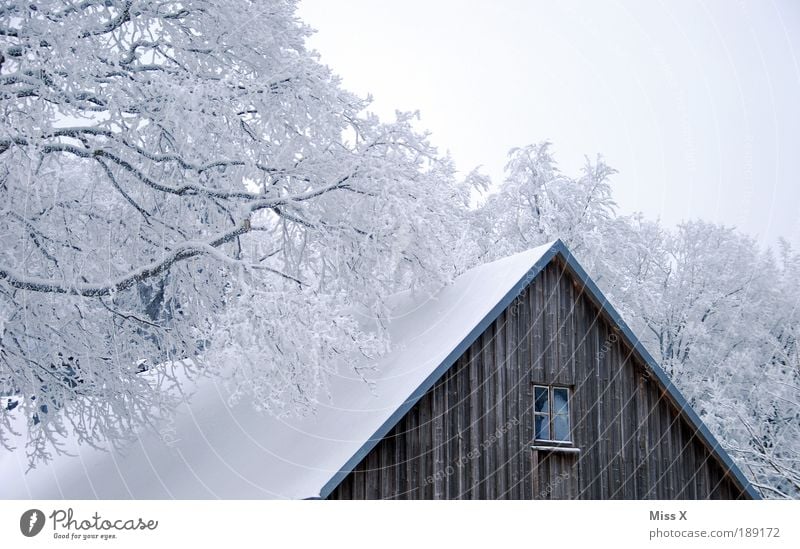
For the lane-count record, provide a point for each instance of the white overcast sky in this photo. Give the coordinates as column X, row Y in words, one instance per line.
column 696, row 103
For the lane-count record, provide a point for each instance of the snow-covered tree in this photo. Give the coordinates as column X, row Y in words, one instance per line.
column 721, row 316
column 184, row 180
column 537, row 203
column 708, row 278
column 767, row 415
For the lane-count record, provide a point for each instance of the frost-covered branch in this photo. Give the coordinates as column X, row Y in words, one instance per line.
column 186, row 181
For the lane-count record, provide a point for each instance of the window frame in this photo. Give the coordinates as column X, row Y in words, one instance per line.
column 551, row 414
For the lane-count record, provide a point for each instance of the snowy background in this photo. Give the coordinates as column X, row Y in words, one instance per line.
column 189, row 180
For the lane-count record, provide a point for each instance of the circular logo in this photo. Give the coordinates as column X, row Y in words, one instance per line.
column 31, row 522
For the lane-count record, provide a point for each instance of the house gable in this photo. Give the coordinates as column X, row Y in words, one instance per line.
column 466, row 432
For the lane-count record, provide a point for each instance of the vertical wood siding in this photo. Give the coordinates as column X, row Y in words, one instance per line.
column 469, row 436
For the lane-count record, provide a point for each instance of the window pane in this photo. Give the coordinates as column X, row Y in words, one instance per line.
column 540, row 394
column 561, row 427
column 542, row 427
column 560, row 401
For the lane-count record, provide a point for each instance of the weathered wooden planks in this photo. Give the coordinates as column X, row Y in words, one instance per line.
column 469, row 437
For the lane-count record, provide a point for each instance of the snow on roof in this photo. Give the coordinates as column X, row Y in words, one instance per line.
column 232, row 452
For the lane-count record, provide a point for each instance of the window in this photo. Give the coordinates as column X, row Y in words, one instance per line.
column 551, row 414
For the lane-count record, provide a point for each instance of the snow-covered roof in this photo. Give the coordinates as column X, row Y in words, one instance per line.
column 231, row 452
column 224, row 451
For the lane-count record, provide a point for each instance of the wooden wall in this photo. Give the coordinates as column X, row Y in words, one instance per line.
column 470, row 435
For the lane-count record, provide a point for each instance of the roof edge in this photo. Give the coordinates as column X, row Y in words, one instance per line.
column 451, row 358
column 557, row 248
column 672, row 390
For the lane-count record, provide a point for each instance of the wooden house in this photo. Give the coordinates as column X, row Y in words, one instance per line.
column 550, row 396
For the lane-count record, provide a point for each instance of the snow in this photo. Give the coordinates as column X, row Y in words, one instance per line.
column 215, row 450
